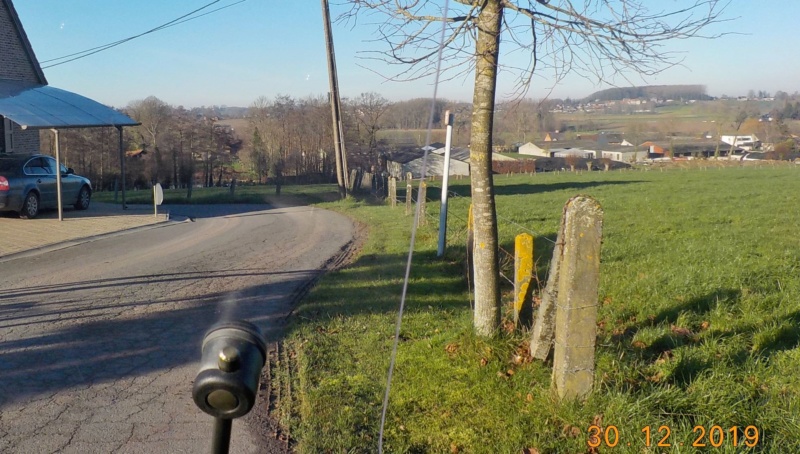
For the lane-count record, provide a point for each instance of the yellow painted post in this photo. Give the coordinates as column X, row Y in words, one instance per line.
column 470, row 241
column 523, row 272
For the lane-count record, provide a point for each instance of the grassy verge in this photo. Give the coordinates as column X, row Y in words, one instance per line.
column 699, row 324
column 306, row 194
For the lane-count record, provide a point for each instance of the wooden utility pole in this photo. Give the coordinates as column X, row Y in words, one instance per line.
column 336, row 111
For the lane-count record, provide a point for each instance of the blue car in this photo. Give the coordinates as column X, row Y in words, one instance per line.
column 28, row 184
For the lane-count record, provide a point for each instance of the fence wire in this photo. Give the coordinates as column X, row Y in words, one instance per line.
column 459, row 234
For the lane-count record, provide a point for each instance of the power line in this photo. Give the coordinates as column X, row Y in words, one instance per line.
column 179, row 20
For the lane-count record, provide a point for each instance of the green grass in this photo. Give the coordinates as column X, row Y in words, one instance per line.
column 699, row 323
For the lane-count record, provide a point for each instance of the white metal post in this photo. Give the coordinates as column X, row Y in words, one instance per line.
column 448, row 118
column 58, row 176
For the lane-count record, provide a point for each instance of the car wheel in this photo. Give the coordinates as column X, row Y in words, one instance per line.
column 30, row 208
column 84, row 197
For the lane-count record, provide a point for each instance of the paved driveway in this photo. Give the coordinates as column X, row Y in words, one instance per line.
column 18, row 236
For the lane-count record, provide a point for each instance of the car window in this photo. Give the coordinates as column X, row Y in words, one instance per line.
column 37, row 166
column 50, row 165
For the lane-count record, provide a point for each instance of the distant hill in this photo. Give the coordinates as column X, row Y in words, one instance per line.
column 685, row 92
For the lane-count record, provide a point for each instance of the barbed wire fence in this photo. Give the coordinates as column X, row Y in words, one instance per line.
column 458, row 228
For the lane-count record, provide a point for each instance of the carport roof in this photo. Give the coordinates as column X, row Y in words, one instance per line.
column 38, row 106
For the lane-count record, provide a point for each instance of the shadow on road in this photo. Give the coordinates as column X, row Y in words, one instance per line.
column 146, row 336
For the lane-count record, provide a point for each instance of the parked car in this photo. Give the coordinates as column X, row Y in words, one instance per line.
column 28, row 184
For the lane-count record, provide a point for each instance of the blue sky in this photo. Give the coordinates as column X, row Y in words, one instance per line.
column 271, row 47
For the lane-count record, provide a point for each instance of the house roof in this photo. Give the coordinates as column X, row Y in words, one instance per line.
column 26, row 44
column 405, row 156
column 37, row 106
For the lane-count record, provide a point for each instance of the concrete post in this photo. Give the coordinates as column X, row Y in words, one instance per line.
column 544, row 326
column 523, row 272
column 393, row 191
column 576, row 311
column 422, row 196
column 409, row 196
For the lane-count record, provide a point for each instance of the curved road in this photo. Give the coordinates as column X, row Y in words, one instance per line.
column 100, row 343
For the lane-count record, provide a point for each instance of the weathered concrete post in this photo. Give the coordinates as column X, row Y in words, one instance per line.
column 409, row 196
column 523, row 272
column 423, row 205
column 393, row 191
column 544, row 326
column 576, row 311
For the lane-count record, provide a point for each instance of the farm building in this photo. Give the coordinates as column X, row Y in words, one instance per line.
column 532, row 149
column 399, row 163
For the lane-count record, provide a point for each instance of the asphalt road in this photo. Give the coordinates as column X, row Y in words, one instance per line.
column 100, row 342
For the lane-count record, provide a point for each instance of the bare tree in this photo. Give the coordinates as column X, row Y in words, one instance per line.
column 598, row 39
column 154, row 115
column 369, row 110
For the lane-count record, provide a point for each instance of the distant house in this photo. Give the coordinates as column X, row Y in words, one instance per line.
column 625, row 154
column 745, row 142
column 532, row 149
column 654, row 148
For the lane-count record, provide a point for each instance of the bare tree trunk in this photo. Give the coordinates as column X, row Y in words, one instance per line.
column 486, row 275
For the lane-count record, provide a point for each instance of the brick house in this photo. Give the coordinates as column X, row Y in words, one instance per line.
column 17, row 63
column 28, row 104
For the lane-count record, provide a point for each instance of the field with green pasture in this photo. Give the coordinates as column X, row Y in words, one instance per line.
column 699, row 325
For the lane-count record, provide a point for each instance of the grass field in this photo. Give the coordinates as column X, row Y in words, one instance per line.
column 698, row 333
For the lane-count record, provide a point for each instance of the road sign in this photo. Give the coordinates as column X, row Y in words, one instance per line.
column 158, row 194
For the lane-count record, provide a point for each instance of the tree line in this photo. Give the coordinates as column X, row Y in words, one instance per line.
column 276, row 139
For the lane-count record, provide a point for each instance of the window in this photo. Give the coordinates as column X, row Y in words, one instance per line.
column 38, row 166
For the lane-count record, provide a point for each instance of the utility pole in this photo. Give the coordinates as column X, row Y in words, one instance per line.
column 336, row 111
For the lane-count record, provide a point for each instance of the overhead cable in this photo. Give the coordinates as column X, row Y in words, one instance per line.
column 184, row 18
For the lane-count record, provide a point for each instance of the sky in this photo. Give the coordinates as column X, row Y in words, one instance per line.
column 268, row 48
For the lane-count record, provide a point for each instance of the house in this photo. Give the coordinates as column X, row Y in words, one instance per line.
column 745, row 142
column 654, row 148
column 623, row 153
column 18, row 66
column 532, row 149
column 28, row 103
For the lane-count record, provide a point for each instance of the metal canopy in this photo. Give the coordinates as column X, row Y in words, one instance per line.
column 37, row 106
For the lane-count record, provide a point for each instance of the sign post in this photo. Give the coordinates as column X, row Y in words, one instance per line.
column 158, row 197
column 445, row 178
